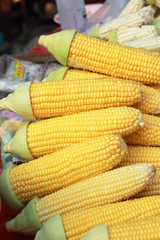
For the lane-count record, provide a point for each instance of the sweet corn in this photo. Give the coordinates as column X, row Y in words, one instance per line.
column 124, row 35
column 153, row 188
column 151, row 43
column 43, row 137
column 150, row 135
column 132, row 6
column 62, row 168
column 59, row 98
column 113, row 186
column 135, row 19
column 142, row 154
column 86, row 52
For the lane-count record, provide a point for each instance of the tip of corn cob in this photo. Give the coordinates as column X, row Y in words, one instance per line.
column 18, row 143
column 112, row 36
column 96, row 233
column 156, row 23
column 58, row 44
column 52, row 230
column 6, row 193
column 57, row 74
column 140, row 119
column 19, row 102
column 26, row 221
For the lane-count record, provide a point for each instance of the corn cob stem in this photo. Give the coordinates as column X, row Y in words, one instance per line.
column 96, row 191
column 50, row 135
column 61, row 169
column 132, row 6
column 150, row 135
column 21, row 95
column 104, row 57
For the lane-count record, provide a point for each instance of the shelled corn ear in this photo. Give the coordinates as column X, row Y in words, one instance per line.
column 71, row 74
column 60, row 169
column 136, row 19
column 153, row 188
column 132, row 6
column 142, row 154
column 150, row 135
column 33, row 140
column 150, row 100
column 151, row 43
column 123, row 35
column 110, row 187
column 86, row 52
column 59, row 98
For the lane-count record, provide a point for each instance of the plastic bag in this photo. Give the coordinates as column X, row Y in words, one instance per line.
column 14, row 72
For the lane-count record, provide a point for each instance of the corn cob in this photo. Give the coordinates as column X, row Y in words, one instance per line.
column 152, row 189
column 150, row 135
column 113, row 186
column 147, row 228
column 151, row 43
column 71, row 73
column 150, row 100
column 136, row 19
column 33, row 140
column 123, row 35
column 62, row 168
column 142, row 154
column 86, row 52
column 132, row 6
column 59, row 98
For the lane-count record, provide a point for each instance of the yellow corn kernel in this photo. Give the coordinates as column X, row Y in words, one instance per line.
column 132, row 6
column 110, row 187
column 59, row 98
column 150, row 100
column 153, row 188
column 146, row 228
column 149, row 135
column 142, row 154
column 76, row 226
column 103, row 57
column 72, row 73
column 65, row 167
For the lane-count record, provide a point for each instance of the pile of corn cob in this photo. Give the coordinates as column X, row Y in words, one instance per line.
column 92, row 145
column 138, row 25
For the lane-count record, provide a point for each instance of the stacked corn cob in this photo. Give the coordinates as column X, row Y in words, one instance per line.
column 89, row 122
column 136, row 26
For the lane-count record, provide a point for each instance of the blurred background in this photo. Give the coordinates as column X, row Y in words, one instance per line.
column 23, row 21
